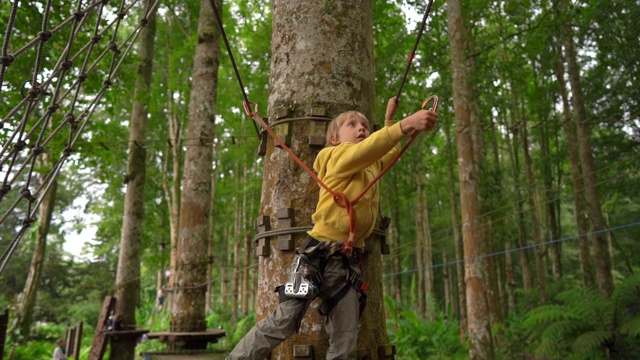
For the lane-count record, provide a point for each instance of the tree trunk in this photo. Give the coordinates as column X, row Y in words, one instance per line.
column 419, row 250
column 127, row 290
column 601, row 253
column 395, row 280
column 191, row 261
column 245, row 275
column 171, row 188
column 427, row 246
column 212, row 228
column 459, row 246
column 576, row 176
column 533, row 207
column 551, row 200
column 521, row 242
column 321, row 65
column 510, row 283
column 480, row 340
column 24, row 313
column 224, row 275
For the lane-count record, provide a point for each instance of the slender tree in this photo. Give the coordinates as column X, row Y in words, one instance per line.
column 24, row 313
column 532, row 199
column 576, row 175
column 599, row 238
column 128, row 272
column 188, row 307
column 481, row 346
column 457, row 236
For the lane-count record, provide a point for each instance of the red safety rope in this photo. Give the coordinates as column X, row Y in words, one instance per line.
column 339, row 197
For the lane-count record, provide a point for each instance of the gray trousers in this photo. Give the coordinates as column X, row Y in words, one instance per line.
column 341, row 323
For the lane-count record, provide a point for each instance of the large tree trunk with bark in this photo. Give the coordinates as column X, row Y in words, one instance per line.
column 128, row 273
column 480, row 341
column 321, row 65
column 188, row 307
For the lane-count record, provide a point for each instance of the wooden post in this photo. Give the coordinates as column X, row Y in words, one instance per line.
column 4, row 318
column 99, row 343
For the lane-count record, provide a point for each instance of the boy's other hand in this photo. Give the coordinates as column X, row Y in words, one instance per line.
column 421, row 120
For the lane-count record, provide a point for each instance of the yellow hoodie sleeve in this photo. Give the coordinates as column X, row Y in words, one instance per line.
column 349, row 158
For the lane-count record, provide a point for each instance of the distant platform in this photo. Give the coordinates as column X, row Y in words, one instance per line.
column 184, row 355
column 197, row 336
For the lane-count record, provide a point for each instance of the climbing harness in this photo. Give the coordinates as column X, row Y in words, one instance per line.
column 311, row 259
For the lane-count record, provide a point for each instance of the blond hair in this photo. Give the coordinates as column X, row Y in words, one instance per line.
column 336, row 123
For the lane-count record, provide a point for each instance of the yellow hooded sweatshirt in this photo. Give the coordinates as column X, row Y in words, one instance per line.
column 349, row 168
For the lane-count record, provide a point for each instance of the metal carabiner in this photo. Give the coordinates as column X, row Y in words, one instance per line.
column 247, row 108
column 435, row 102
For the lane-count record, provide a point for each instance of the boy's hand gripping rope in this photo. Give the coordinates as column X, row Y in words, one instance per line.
column 339, row 197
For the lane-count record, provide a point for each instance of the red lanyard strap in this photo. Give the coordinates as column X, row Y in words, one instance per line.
column 339, row 198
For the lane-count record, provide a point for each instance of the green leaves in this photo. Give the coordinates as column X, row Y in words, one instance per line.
column 586, row 323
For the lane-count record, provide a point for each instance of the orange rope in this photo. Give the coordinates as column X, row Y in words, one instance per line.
column 339, row 197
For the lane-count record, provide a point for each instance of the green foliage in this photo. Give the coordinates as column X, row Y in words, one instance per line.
column 417, row 338
column 33, row 350
column 222, row 318
column 583, row 322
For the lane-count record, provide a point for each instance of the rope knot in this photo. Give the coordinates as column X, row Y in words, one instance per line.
column 82, row 77
column 28, row 222
column 96, row 38
column 113, row 47
column 53, row 108
column 67, row 65
column 38, row 150
column 68, row 150
column 7, row 60
column 71, row 119
column 78, row 15
column 45, row 35
column 144, row 22
column 4, row 190
column 26, row 193
column 121, row 15
column 20, row 145
column 35, row 92
column 107, row 83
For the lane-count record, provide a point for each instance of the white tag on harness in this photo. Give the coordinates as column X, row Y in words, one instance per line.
column 299, row 285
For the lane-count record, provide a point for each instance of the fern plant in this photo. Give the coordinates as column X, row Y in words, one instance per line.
column 584, row 323
column 418, row 338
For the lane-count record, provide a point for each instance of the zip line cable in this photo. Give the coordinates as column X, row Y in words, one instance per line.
column 445, row 238
column 503, row 252
column 450, row 263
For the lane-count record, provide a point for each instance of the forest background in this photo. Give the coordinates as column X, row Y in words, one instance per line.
column 535, row 199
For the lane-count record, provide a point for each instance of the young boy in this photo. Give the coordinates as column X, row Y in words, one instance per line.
column 351, row 160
